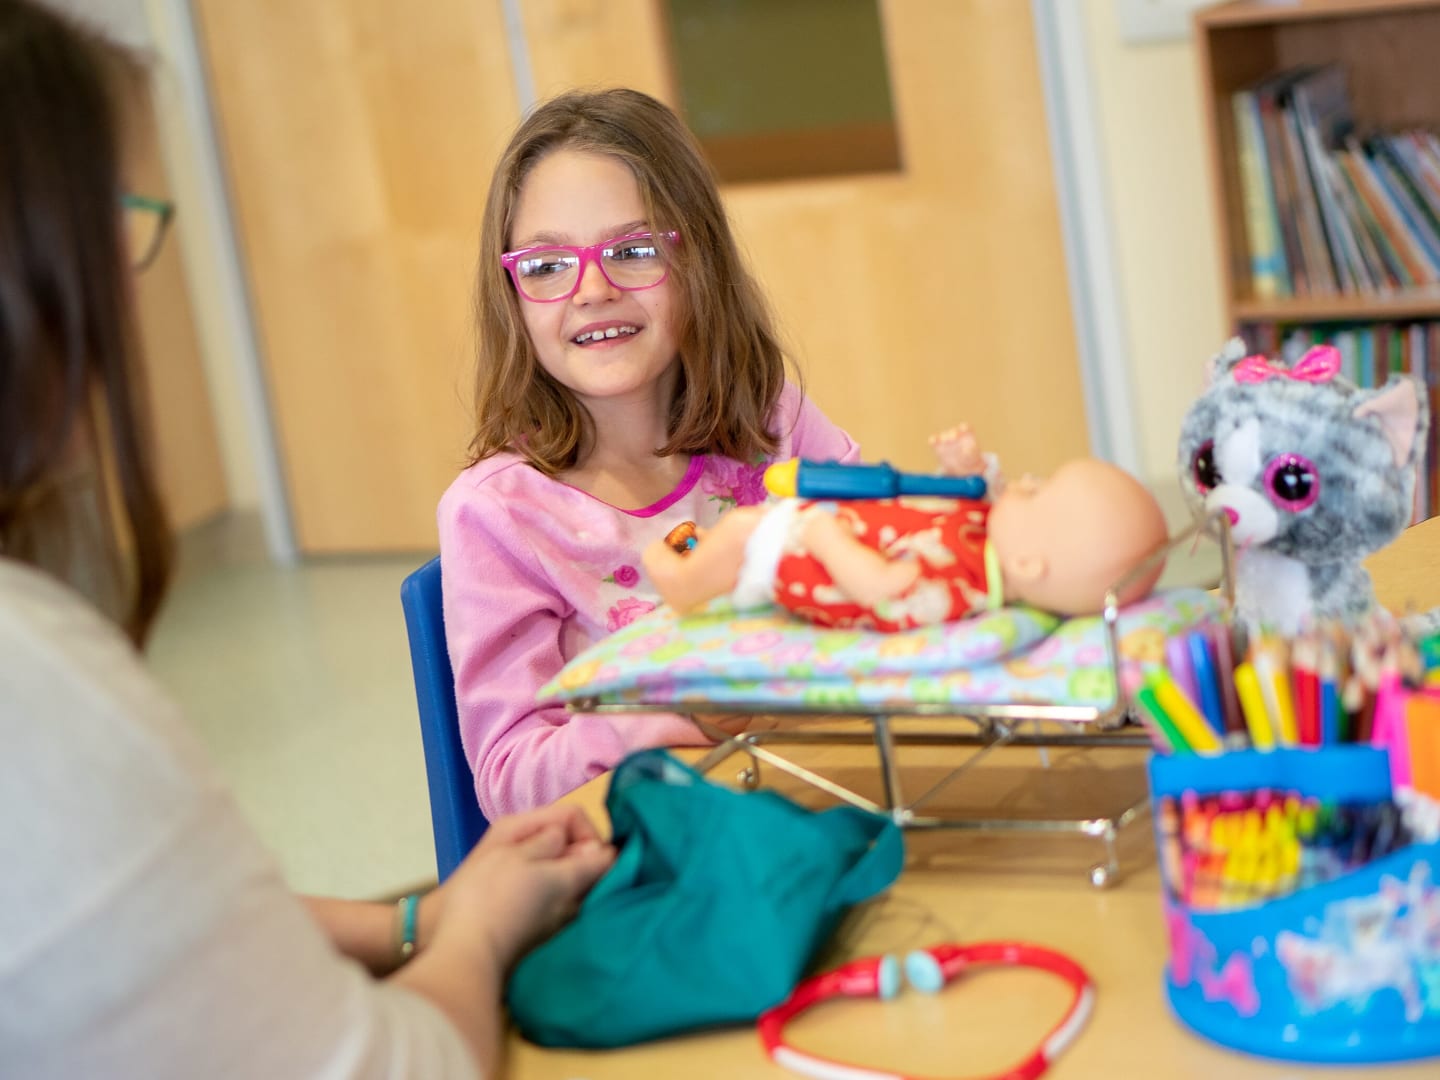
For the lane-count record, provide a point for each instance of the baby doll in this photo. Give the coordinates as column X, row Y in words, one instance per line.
column 1313, row 473
column 895, row 564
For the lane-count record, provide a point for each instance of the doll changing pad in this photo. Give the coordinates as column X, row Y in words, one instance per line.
column 767, row 658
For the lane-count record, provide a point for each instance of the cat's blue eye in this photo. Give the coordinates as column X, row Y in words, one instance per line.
column 1203, row 468
column 1292, row 482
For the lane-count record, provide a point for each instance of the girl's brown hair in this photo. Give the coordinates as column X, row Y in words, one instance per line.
column 732, row 368
column 68, row 373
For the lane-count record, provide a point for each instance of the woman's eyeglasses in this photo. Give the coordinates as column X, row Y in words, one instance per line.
column 550, row 272
column 146, row 221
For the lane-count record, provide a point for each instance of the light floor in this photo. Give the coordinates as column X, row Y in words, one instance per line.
column 298, row 679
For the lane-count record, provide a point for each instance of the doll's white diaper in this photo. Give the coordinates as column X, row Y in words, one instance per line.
column 755, row 584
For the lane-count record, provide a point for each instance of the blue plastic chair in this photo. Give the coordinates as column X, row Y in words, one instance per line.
column 454, row 814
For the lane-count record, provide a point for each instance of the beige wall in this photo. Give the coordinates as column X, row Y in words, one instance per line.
column 1146, row 97
column 1148, row 115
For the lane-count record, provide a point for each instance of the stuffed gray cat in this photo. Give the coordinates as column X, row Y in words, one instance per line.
column 1314, row 474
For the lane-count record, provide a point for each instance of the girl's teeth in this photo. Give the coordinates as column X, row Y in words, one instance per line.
column 611, row 332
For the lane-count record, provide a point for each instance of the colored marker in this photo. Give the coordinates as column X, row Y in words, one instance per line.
column 1389, row 726
column 879, row 480
column 1422, row 731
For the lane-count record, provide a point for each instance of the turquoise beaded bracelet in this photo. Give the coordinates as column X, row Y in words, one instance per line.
column 409, row 907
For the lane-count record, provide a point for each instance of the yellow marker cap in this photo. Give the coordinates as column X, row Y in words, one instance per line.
column 782, row 478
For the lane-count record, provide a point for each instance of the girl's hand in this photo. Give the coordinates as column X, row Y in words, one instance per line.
column 523, row 880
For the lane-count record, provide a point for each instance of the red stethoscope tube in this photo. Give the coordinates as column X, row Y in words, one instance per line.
column 864, row 977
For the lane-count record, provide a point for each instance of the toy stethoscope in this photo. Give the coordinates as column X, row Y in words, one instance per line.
column 928, row 970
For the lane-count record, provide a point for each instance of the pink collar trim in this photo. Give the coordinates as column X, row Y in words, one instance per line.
column 687, row 482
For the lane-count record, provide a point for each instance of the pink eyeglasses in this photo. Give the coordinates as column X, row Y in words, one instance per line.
column 550, row 272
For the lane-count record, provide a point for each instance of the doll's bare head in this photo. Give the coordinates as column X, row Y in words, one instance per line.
column 1063, row 541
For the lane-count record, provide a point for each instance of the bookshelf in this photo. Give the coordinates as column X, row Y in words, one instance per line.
column 1390, row 51
column 1380, row 284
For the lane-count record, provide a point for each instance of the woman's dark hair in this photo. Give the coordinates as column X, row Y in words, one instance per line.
column 70, row 384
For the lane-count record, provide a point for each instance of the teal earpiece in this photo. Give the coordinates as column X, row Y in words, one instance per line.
column 922, row 971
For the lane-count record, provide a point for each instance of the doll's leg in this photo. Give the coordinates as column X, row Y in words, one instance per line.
column 711, row 567
column 861, row 572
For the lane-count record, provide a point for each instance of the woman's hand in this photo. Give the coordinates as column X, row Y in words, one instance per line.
column 524, row 879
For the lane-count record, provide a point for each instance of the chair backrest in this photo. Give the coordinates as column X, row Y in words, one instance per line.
column 454, row 813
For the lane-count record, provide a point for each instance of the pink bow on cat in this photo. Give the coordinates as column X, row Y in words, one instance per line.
column 1320, row 364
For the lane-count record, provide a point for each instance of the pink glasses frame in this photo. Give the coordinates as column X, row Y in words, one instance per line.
column 587, row 254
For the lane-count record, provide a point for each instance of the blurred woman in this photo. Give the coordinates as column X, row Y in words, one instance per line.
column 143, row 930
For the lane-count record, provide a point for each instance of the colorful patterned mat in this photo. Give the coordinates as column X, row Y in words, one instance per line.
column 765, row 657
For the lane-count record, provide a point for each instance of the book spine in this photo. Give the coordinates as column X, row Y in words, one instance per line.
column 1337, row 236
column 1312, row 234
column 1368, row 235
column 1283, row 185
column 1374, row 274
column 1267, row 267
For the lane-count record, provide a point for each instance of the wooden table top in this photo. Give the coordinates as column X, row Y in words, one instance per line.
column 967, row 887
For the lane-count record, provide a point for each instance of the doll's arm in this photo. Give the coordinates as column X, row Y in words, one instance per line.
column 958, row 452
column 710, row 569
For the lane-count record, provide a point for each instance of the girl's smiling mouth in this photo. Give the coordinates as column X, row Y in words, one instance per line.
column 604, row 333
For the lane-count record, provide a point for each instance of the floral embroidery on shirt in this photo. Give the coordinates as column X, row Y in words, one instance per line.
column 626, row 612
column 736, row 484
column 627, row 577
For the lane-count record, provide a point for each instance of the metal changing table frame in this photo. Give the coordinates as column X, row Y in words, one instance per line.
column 991, row 727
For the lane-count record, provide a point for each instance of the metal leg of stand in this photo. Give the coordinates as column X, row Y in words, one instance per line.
column 740, row 744
column 1103, row 873
column 889, row 769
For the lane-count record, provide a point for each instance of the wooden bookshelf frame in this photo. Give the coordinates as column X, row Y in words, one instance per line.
column 1391, row 52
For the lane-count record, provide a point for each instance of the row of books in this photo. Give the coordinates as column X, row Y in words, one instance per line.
column 1369, row 353
column 1329, row 211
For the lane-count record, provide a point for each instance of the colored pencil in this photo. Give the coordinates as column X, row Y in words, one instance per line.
column 1225, row 676
column 1252, row 702
column 1207, row 683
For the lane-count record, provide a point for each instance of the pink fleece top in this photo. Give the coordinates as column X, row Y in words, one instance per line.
column 535, row 570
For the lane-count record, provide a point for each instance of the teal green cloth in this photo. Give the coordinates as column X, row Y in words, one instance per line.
column 717, row 902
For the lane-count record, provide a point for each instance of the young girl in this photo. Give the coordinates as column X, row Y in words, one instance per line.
column 629, row 381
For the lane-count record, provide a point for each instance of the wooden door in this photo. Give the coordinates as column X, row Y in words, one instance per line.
column 359, row 136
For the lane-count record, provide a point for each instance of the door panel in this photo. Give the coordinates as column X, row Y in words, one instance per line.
column 358, row 138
